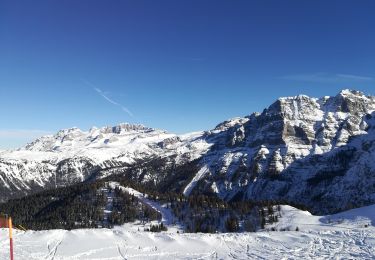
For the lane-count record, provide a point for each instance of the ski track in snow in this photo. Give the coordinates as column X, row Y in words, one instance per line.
column 103, row 244
column 167, row 216
column 201, row 173
column 349, row 238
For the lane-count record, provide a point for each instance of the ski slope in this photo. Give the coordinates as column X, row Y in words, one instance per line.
column 348, row 235
column 167, row 216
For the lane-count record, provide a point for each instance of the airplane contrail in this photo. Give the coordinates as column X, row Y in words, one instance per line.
column 103, row 95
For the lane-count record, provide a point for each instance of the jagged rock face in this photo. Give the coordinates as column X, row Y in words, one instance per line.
column 15, row 177
column 337, row 180
column 316, row 152
column 294, row 138
column 70, row 171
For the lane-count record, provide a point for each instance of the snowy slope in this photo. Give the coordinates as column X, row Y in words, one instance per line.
column 344, row 236
column 167, row 216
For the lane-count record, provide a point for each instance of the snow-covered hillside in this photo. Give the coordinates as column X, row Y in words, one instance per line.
column 348, row 235
column 318, row 152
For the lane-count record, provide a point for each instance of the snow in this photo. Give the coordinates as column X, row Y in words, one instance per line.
column 340, row 236
column 321, row 125
column 167, row 216
column 104, row 144
column 119, row 146
column 201, row 173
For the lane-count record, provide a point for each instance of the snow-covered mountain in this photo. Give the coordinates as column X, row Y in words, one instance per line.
column 73, row 155
column 316, row 152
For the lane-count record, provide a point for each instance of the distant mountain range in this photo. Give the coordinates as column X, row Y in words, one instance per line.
column 315, row 152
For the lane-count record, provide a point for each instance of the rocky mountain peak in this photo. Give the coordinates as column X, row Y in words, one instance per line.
column 125, row 127
column 301, row 149
column 351, row 93
column 231, row 123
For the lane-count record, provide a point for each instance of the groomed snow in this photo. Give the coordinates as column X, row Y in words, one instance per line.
column 341, row 236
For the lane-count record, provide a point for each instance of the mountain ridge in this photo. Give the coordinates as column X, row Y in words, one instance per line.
column 263, row 156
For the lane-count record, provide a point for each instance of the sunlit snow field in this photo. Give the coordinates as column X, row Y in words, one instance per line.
column 348, row 235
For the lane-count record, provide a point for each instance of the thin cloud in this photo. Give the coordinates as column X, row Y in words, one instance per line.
column 109, row 100
column 355, row 77
column 327, row 78
column 23, row 133
column 101, row 93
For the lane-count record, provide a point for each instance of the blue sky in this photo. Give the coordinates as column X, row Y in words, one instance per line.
column 180, row 65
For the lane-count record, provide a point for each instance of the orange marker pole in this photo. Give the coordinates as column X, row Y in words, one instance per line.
column 11, row 238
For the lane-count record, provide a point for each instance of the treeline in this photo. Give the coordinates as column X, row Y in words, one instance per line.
column 70, row 207
column 77, row 206
column 210, row 214
column 83, row 205
column 157, row 228
column 127, row 208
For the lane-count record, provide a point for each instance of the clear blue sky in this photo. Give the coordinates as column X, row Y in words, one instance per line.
column 179, row 65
